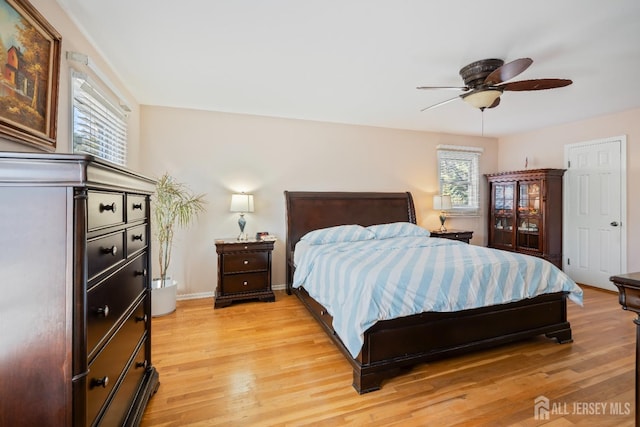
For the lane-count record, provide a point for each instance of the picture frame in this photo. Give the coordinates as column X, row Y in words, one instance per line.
column 29, row 75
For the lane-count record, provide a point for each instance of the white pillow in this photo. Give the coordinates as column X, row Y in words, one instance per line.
column 397, row 229
column 338, row 234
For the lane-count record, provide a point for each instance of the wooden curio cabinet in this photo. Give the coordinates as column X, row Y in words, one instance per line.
column 525, row 212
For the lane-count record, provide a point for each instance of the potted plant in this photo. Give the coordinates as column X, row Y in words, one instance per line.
column 174, row 205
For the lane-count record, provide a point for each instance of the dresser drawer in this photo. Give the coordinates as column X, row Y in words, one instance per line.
column 110, row 299
column 136, row 207
column 136, row 239
column 104, row 252
column 118, row 409
column 105, row 209
column 249, row 282
column 112, row 360
column 246, row 261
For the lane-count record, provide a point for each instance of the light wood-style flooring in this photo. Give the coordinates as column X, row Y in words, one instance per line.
column 250, row 364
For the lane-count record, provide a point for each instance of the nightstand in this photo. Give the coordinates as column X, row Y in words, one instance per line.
column 244, row 271
column 463, row 236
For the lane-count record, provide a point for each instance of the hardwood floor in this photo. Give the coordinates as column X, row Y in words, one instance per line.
column 249, row 365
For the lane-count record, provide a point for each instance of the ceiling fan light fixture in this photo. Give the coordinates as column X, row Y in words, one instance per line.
column 482, row 99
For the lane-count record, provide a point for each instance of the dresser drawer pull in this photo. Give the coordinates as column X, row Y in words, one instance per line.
column 113, row 250
column 245, row 262
column 245, row 283
column 100, row 382
column 323, row 312
column 135, row 237
column 136, row 206
column 142, row 272
column 111, row 207
column 142, row 364
column 104, row 311
column 142, row 318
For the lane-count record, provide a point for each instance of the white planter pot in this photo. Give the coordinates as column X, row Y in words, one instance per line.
column 163, row 297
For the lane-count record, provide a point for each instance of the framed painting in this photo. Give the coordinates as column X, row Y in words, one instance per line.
column 29, row 75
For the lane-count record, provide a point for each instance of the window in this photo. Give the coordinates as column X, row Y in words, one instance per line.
column 459, row 176
column 99, row 126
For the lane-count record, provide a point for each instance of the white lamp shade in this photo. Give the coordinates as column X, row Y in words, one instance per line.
column 441, row 203
column 482, row 99
column 241, row 203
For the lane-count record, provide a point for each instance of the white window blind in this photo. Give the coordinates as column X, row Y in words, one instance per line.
column 459, row 177
column 99, row 125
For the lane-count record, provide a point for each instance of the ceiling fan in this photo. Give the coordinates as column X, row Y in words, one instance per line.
column 485, row 81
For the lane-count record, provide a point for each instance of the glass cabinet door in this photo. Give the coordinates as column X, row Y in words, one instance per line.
column 502, row 213
column 529, row 219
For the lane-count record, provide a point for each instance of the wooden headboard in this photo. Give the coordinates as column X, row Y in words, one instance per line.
column 308, row 210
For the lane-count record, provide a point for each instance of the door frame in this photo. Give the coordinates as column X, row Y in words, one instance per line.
column 623, row 196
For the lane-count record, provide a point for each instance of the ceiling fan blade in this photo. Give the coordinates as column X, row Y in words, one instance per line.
column 538, row 84
column 508, row 71
column 440, row 103
column 443, row 87
column 495, row 103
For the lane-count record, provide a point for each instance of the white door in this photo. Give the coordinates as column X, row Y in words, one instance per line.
column 594, row 217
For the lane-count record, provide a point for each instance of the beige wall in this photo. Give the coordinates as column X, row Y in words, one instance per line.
column 73, row 40
column 545, row 148
column 218, row 153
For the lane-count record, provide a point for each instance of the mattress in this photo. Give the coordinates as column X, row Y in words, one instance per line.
column 363, row 282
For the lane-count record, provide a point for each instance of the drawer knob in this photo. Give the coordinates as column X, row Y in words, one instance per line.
column 136, row 237
column 104, row 311
column 100, row 382
column 136, row 206
column 245, row 262
column 111, row 207
column 142, row 318
column 245, row 283
column 142, row 272
column 113, row 250
column 142, row 364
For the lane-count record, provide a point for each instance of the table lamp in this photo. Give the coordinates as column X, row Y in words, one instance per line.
column 242, row 203
column 443, row 204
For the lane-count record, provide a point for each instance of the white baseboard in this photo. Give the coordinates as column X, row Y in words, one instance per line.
column 200, row 295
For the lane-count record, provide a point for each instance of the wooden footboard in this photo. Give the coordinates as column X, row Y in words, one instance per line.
column 392, row 346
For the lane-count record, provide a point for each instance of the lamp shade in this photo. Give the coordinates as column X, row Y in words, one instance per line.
column 441, row 203
column 482, row 99
column 241, row 203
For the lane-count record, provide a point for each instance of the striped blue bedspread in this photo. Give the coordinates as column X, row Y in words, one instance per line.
column 360, row 283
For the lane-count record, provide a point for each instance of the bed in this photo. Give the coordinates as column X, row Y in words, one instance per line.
column 392, row 346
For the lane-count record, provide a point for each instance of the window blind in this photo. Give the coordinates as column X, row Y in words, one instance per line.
column 99, row 126
column 458, row 174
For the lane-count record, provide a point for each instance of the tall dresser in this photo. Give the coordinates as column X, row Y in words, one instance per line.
column 525, row 212
column 75, row 308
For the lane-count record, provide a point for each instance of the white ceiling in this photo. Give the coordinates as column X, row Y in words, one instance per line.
column 359, row 61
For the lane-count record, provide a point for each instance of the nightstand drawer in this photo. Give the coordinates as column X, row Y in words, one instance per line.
column 461, row 235
column 248, row 282
column 241, row 262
